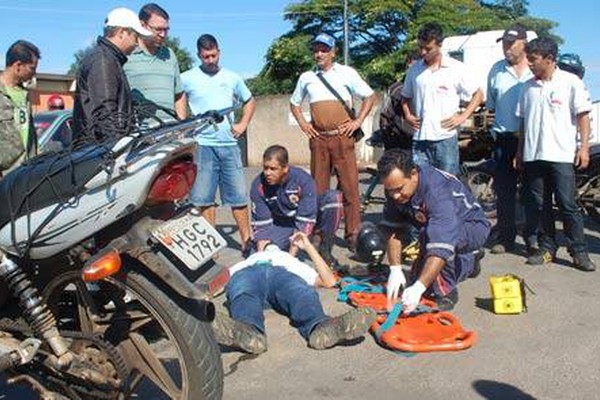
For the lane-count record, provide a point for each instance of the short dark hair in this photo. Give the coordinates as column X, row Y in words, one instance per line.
column 207, row 42
column 278, row 153
column 544, row 46
column 395, row 159
column 431, row 31
column 150, row 9
column 23, row 51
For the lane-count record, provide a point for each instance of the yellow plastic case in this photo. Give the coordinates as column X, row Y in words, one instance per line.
column 506, row 293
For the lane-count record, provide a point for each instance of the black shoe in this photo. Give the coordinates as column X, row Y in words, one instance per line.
column 349, row 326
column 539, row 257
column 447, row 302
column 240, row 335
column 351, row 244
column 582, row 262
column 479, row 254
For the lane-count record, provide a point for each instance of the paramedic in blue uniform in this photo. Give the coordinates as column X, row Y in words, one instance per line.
column 453, row 230
column 284, row 200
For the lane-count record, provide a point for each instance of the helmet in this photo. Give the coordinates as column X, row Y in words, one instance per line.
column 571, row 62
column 370, row 244
column 56, row 102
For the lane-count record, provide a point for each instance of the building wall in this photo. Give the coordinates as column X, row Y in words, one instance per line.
column 45, row 88
column 273, row 123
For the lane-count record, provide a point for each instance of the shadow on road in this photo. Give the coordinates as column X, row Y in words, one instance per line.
column 492, row 390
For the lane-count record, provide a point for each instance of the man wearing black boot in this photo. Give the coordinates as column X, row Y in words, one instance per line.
column 286, row 284
column 284, row 201
column 453, row 229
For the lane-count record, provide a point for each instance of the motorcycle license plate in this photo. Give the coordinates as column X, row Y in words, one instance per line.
column 191, row 239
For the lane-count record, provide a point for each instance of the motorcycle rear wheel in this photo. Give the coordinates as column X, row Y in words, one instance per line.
column 170, row 351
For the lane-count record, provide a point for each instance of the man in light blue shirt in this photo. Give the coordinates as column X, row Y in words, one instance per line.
column 504, row 86
column 210, row 87
column 153, row 71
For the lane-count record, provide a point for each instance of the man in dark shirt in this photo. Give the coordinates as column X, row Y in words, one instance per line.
column 284, row 201
column 103, row 105
column 453, row 229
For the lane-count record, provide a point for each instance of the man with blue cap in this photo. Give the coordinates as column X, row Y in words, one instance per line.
column 330, row 88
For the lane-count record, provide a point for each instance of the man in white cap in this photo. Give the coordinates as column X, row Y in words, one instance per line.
column 103, row 107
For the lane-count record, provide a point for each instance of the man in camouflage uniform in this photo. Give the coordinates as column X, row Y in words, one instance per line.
column 17, row 135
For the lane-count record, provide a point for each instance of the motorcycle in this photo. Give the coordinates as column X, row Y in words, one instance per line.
column 106, row 284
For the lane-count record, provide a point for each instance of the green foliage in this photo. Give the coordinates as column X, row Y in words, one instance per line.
column 79, row 55
column 184, row 58
column 286, row 59
column 381, row 34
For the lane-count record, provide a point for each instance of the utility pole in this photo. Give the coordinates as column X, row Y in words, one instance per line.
column 345, row 32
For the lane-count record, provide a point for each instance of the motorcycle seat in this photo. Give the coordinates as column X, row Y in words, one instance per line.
column 48, row 179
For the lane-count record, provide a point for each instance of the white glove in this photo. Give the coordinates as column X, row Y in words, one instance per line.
column 412, row 296
column 395, row 281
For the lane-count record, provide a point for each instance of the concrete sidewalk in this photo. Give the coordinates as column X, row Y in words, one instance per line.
column 551, row 352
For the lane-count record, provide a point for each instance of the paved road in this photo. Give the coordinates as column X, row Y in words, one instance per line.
column 551, row 352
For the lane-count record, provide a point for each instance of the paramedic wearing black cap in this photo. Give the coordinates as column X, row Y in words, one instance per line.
column 331, row 127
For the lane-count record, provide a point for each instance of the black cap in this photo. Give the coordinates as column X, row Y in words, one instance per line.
column 513, row 33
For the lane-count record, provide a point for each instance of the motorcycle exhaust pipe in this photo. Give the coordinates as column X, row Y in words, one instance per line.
column 206, row 310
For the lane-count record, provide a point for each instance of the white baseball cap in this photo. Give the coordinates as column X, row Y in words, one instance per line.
column 125, row 18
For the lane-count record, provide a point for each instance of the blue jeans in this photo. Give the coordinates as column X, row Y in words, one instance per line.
column 543, row 178
column 219, row 166
column 254, row 288
column 505, row 183
column 442, row 154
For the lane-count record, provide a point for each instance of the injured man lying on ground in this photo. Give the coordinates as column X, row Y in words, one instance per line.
column 281, row 281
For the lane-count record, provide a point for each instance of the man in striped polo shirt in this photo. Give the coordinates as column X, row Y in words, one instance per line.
column 152, row 69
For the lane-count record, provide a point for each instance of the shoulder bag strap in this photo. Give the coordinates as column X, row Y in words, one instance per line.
column 336, row 94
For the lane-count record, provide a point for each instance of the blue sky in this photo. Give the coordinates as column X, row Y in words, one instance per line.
column 244, row 28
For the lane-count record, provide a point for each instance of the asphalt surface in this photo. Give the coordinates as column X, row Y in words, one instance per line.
column 550, row 352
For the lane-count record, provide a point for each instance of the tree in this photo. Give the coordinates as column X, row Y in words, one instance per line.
column 79, row 55
column 184, row 57
column 382, row 33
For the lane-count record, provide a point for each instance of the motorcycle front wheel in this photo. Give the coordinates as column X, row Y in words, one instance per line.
column 169, row 351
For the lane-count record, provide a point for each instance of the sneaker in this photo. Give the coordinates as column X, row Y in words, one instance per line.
column 502, row 247
column 539, row 257
column 447, row 302
column 349, row 326
column 240, row 335
column 582, row 262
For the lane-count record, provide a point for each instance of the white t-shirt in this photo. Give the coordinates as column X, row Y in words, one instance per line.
column 549, row 110
column 345, row 80
column 435, row 95
column 282, row 259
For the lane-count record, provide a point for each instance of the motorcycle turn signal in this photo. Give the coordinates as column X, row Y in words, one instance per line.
column 102, row 265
